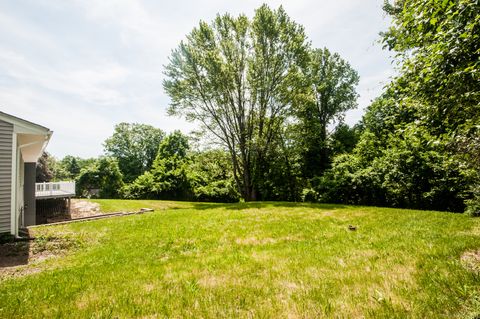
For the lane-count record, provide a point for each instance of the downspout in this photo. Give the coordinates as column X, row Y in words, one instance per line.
column 13, row 190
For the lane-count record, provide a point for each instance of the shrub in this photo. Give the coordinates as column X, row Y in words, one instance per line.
column 473, row 204
column 211, row 178
column 101, row 179
column 415, row 170
column 309, row 195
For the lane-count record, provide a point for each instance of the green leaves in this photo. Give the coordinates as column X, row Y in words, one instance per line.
column 439, row 44
column 412, row 169
column 135, row 147
column 330, row 90
column 238, row 78
column 101, row 178
column 168, row 177
column 420, row 148
column 179, row 174
column 211, row 177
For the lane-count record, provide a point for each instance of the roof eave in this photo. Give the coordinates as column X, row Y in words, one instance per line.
column 24, row 126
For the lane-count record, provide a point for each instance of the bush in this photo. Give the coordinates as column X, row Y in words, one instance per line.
column 167, row 180
column 211, row 178
column 473, row 207
column 473, row 204
column 168, row 177
column 142, row 188
column 309, row 195
column 219, row 191
column 414, row 171
column 101, row 179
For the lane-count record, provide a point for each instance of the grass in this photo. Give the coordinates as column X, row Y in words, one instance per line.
column 266, row 260
column 115, row 205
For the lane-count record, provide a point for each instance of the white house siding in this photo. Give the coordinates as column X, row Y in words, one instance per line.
column 6, row 133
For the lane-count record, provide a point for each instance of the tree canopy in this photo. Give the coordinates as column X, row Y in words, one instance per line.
column 101, row 178
column 135, row 147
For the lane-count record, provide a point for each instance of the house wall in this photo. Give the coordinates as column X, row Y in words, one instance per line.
column 6, row 133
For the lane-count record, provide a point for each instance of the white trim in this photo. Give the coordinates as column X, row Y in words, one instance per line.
column 47, row 139
column 23, row 126
column 30, row 144
column 13, row 195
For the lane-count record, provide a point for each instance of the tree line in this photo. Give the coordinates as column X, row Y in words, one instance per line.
column 170, row 169
column 273, row 108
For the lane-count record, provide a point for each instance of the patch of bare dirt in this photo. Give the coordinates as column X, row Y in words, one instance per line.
column 265, row 241
column 255, row 241
column 78, row 208
column 471, row 260
column 20, row 258
column 82, row 208
column 212, row 281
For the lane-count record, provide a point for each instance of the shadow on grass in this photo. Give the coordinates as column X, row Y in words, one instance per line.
column 14, row 252
column 258, row 205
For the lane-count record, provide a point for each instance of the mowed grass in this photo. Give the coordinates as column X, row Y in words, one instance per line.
column 262, row 260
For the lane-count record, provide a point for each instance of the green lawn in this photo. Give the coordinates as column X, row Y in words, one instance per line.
column 268, row 260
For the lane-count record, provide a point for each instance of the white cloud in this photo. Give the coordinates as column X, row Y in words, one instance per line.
column 81, row 67
column 95, row 84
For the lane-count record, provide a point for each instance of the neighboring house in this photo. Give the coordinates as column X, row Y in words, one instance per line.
column 21, row 144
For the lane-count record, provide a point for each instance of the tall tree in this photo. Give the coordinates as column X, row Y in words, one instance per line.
column 332, row 83
column 135, row 147
column 438, row 44
column 238, row 77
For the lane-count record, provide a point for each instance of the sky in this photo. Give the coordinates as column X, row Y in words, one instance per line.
column 80, row 67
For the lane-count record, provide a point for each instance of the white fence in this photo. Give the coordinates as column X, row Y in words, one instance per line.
column 55, row 189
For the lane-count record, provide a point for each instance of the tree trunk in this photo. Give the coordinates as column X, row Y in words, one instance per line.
column 323, row 149
column 251, row 194
column 249, row 191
